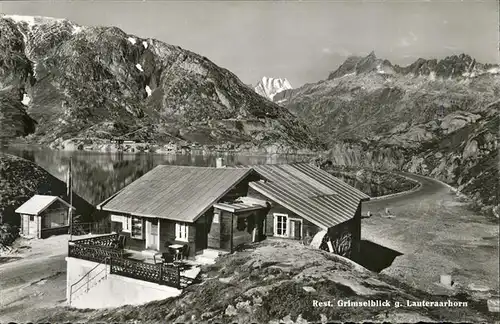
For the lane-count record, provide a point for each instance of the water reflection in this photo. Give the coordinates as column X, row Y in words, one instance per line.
column 96, row 176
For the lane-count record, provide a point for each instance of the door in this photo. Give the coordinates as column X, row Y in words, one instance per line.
column 296, row 229
column 201, row 235
column 152, row 237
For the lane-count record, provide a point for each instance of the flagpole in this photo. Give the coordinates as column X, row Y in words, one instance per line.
column 70, row 194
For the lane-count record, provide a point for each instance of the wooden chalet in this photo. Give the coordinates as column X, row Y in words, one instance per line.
column 222, row 208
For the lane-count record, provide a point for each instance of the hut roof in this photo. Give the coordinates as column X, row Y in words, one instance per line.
column 38, row 203
column 181, row 193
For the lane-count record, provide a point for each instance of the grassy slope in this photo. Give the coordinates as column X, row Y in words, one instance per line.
column 265, row 283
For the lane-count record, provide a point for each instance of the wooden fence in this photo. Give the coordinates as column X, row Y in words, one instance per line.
column 91, row 228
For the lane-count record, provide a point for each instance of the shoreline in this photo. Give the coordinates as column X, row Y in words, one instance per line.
column 139, row 148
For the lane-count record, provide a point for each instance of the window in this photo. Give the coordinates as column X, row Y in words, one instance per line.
column 280, row 225
column 123, row 222
column 137, row 228
column 117, row 218
column 181, row 232
column 216, row 219
column 241, row 223
column 32, row 218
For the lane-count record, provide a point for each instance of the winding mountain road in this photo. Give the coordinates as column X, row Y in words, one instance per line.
column 429, row 188
column 437, row 234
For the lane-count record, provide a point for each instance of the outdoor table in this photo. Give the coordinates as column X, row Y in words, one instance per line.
column 177, row 248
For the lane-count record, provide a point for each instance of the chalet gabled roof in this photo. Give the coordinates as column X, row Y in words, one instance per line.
column 38, row 203
column 309, row 192
column 180, row 193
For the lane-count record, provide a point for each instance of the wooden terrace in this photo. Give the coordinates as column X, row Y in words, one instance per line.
column 106, row 249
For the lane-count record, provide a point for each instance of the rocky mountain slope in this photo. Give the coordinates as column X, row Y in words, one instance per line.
column 369, row 96
column 60, row 80
column 433, row 117
column 278, row 282
column 270, row 87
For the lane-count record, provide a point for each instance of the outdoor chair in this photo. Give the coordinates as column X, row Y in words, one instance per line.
column 167, row 258
column 120, row 242
column 185, row 251
column 167, row 246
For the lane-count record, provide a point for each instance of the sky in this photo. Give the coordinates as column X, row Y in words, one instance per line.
column 302, row 41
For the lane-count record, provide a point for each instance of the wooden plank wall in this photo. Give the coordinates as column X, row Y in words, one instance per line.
column 226, row 223
column 240, row 190
column 167, row 236
column 132, row 243
column 243, row 226
column 309, row 229
column 214, row 231
column 55, row 216
column 31, row 228
column 343, row 237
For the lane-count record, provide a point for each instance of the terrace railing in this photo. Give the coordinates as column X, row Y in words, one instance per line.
column 103, row 240
column 89, row 280
column 92, row 252
column 95, row 249
column 157, row 273
column 100, row 248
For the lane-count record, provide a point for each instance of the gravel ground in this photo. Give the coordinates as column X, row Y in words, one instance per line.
column 33, row 278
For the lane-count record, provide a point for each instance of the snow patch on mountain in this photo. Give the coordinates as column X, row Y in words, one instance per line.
column 495, row 70
column 62, row 121
column 269, row 87
column 145, row 44
column 26, row 100
column 77, row 29
column 30, row 20
column 139, row 67
column 148, row 90
column 132, row 40
column 379, row 69
column 469, row 74
column 34, row 69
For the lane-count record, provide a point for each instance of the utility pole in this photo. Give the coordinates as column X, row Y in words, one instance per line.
column 70, row 195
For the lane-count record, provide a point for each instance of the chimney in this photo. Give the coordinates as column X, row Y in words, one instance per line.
column 219, row 163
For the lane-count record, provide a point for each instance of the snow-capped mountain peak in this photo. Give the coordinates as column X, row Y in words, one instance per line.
column 32, row 20
column 269, row 87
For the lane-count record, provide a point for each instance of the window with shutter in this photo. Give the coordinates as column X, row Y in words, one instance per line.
column 137, row 226
column 181, row 232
